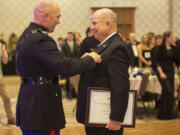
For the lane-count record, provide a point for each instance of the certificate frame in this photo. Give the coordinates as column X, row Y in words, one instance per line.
column 91, row 115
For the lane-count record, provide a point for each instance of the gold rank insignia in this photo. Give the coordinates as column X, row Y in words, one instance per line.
column 42, row 31
column 33, row 31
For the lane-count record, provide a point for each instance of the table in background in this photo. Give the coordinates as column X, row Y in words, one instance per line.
column 153, row 85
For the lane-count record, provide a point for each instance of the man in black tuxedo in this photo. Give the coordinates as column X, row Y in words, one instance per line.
column 132, row 46
column 111, row 73
column 38, row 61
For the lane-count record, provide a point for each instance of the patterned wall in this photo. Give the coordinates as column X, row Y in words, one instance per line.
column 113, row 3
column 15, row 15
column 176, row 17
column 151, row 15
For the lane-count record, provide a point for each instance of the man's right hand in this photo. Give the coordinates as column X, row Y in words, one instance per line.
column 96, row 57
column 163, row 75
column 113, row 125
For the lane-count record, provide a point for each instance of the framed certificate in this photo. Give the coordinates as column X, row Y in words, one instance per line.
column 98, row 107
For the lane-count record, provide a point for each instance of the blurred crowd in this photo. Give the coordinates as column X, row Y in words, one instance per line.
column 158, row 53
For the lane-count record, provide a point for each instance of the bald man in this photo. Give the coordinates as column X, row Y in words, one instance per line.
column 111, row 73
column 38, row 61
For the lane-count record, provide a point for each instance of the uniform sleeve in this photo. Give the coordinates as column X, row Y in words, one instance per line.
column 119, row 82
column 47, row 53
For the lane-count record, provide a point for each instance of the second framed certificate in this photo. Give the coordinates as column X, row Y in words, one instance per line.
column 98, row 108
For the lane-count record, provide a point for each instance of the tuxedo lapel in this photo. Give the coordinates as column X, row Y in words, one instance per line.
column 100, row 48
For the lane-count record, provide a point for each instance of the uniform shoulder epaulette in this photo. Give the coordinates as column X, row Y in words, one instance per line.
column 42, row 31
column 34, row 31
column 39, row 30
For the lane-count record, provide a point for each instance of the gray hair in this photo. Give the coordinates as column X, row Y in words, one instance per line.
column 107, row 14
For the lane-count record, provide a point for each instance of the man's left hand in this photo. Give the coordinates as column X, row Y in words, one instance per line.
column 113, row 125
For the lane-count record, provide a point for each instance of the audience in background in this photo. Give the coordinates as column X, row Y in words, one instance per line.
column 60, row 43
column 12, row 42
column 178, row 49
column 151, row 35
column 144, row 54
column 13, row 38
column 152, row 41
column 71, row 49
column 132, row 46
column 89, row 32
column 2, row 41
column 77, row 38
column 122, row 36
column 3, row 93
column 166, row 56
column 158, row 40
column 89, row 43
column 176, row 39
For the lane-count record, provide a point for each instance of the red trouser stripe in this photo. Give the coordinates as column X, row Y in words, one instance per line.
column 52, row 132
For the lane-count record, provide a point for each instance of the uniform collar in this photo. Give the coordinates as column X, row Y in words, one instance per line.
column 38, row 26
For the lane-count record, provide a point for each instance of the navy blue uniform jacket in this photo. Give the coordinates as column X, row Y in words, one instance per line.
column 39, row 107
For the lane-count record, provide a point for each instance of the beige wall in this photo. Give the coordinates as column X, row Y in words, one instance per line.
column 150, row 15
column 176, row 17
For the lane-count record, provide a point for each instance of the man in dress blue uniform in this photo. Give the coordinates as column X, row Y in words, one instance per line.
column 38, row 61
